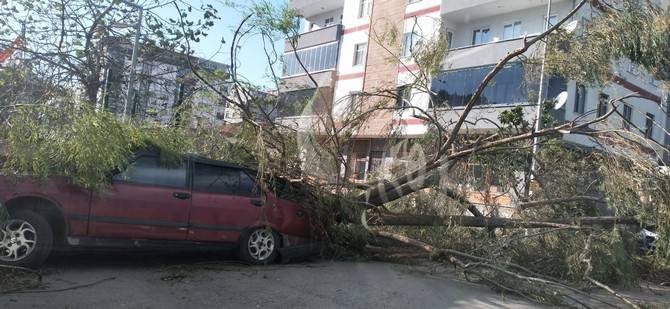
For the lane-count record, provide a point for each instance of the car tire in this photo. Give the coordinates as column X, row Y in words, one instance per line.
column 26, row 240
column 259, row 246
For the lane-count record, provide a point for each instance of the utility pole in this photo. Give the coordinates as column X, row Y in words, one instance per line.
column 131, row 77
column 538, row 112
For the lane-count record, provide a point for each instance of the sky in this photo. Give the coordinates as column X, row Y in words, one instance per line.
column 253, row 65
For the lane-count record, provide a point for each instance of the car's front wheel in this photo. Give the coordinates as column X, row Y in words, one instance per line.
column 26, row 240
column 259, row 246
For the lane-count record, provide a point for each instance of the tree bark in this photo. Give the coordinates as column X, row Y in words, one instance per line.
column 497, row 222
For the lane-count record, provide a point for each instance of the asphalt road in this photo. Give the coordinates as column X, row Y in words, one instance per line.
column 188, row 281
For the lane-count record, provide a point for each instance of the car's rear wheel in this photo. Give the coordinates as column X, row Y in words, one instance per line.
column 25, row 240
column 259, row 246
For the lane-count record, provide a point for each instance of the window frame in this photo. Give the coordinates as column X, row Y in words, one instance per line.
column 184, row 163
column 627, row 116
column 515, row 25
column 603, row 101
column 580, row 98
column 364, row 9
column 649, row 123
column 357, row 62
column 481, row 30
column 238, row 170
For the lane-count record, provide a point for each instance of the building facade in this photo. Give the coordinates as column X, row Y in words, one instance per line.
column 340, row 47
column 165, row 90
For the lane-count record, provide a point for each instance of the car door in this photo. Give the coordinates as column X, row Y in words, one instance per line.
column 150, row 200
column 225, row 201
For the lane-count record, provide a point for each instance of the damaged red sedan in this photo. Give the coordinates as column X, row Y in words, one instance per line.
column 195, row 203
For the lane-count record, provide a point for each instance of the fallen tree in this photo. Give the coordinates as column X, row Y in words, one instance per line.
column 497, row 222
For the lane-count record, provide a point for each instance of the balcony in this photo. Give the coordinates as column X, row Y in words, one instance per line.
column 461, row 11
column 484, row 54
column 310, row 8
column 317, row 37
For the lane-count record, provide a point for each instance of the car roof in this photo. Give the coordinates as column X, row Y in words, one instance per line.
column 201, row 159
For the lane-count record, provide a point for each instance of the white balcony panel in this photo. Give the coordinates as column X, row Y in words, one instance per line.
column 491, row 53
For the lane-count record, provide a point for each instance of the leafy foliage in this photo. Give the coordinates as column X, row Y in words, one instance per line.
column 614, row 35
column 80, row 143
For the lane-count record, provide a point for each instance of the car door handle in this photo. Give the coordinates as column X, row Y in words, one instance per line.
column 258, row 203
column 181, row 195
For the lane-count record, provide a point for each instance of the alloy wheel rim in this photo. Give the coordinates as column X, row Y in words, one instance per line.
column 261, row 244
column 17, row 240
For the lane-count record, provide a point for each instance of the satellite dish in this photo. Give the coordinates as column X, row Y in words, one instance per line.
column 560, row 100
column 571, row 26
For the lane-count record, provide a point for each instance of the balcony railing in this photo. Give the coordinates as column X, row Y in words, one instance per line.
column 484, row 54
column 315, row 51
column 314, row 38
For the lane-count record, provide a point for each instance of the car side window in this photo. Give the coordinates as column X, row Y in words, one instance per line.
column 149, row 170
column 215, row 179
column 248, row 186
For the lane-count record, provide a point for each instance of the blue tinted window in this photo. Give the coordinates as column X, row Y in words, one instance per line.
column 455, row 88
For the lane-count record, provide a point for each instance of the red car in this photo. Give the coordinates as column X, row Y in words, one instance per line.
column 199, row 202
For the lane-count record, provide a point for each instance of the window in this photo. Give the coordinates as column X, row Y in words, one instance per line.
column 376, row 159
column 364, row 8
column 450, row 38
column 316, row 59
column 359, row 170
column 553, row 19
column 413, row 1
column 603, row 100
column 627, row 114
column 359, row 54
column 580, row 99
column 403, row 96
column 355, row 102
column 481, row 36
column 329, row 21
column 149, row 170
column 512, row 31
column 409, row 43
column 456, row 87
column 649, row 126
column 223, row 180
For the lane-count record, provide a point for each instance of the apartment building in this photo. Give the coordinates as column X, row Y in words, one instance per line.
column 339, row 46
column 164, row 87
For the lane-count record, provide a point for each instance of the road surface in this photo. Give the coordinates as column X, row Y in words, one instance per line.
column 184, row 281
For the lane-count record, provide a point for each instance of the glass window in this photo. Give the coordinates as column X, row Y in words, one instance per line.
column 359, row 54
column 408, row 44
column 248, row 185
column 649, row 126
column 450, row 38
column 603, row 100
column 403, row 96
column 314, row 59
column 223, row 180
column 553, row 19
column 512, row 31
column 329, row 21
column 364, row 8
column 580, row 99
column 149, row 170
column 481, row 36
column 627, row 114
column 455, row 88
column 216, row 179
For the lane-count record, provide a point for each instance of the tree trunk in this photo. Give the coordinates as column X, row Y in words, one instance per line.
column 495, row 222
